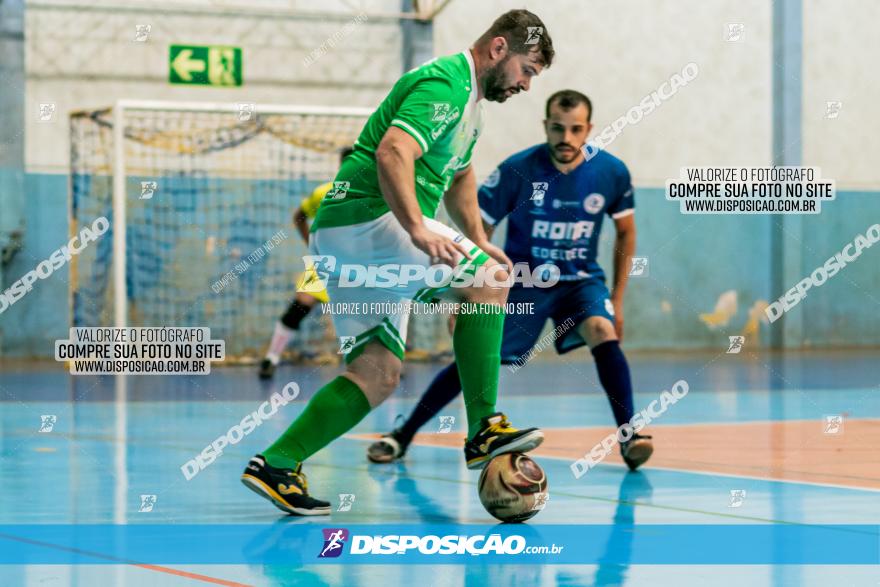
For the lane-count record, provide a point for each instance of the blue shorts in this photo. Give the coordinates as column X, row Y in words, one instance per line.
column 568, row 303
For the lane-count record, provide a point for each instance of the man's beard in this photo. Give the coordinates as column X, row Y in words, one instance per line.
column 495, row 83
column 564, row 156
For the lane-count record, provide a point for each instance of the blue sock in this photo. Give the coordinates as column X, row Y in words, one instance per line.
column 443, row 389
column 614, row 376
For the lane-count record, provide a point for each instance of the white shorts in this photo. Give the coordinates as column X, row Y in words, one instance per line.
column 378, row 307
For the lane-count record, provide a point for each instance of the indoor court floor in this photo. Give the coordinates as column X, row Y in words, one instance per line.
column 756, row 441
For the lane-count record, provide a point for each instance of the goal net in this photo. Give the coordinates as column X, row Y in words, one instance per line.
column 200, row 199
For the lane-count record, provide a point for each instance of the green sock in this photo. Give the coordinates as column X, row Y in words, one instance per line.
column 477, row 345
column 333, row 411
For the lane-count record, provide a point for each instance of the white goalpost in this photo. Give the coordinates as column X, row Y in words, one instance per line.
column 196, row 193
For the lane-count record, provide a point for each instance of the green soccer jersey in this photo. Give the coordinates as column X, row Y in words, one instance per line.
column 436, row 104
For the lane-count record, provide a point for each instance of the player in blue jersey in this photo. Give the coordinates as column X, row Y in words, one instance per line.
column 555, row 201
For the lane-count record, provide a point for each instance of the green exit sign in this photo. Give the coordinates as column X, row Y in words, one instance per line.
column 201, row 65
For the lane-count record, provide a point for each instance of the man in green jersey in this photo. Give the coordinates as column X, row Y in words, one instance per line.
column 413, row 151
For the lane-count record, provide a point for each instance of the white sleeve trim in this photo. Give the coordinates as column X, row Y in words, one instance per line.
column 487, row 218
column 412, row 131
column 623, row 213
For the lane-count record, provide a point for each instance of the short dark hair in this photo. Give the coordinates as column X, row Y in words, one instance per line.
column 524, row 33
column 567, row 100
column 345, row 152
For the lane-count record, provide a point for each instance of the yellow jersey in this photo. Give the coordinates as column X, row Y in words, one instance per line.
column 310, row 204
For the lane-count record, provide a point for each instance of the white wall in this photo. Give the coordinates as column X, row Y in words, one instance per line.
column 841, row 62
column 86, row 58
column 618, row 52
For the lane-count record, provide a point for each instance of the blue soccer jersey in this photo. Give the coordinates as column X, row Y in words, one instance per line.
column 554, row 217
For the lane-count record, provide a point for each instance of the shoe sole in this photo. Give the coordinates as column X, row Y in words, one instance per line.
column 383, row 459
column 638, row 455
column 270, row 494
column 525, row 443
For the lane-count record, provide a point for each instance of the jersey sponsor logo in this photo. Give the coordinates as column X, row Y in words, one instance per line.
column 594, row 203
column 453, row 164
column 560, row 254
column 450, row 117
column 557, row 204
column 562, row 230
column 493, row 180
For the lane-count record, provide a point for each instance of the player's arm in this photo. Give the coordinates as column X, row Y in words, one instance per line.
column 301, row 223
column 461, row 203
column 490, row 230
column 396, row 156
column 464, row 209
column 624, row 248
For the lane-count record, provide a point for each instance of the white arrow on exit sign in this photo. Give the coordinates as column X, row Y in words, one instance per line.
column 184, row 66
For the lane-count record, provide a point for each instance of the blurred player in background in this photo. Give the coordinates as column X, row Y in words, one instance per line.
column 555, row 201
column 305, row 299
column 413, row 151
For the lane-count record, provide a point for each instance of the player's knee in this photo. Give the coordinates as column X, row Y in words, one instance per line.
column 387, row 382
column 377, row 372
column 597, row 330
column 378, row 384
column 295, row 314
column 305, row 299
column 492, row 287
